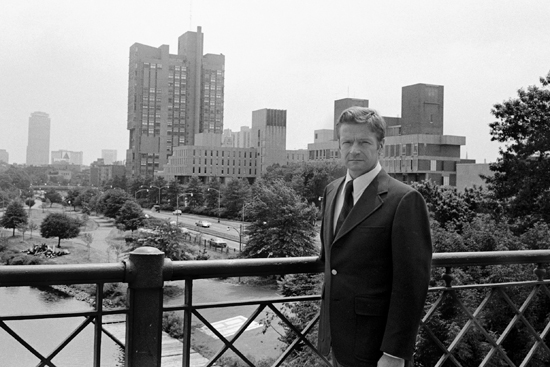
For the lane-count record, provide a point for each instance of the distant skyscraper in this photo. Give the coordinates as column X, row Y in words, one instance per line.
column 268, row 136
column 38, row 146
column 4, row 156
column 108, row 155
column 67, row 157
column 170, row 99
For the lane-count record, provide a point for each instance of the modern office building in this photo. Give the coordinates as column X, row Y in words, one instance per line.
column 101, row 172
column 171, row 98
column 211, row 163
column 4, row 156
column 415, row 147
column 62, row 157
column 268, row 136
column 236, row 139
column 109, row 155
column 38, row 146
column 296, row 156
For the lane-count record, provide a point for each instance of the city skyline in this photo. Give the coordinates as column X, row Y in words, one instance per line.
column 295, row 57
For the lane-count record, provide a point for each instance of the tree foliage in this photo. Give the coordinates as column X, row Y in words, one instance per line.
column 284, row 223
column 53, row 197
column 61, row 226
column 14, row 216
column 308, row 179
column 521, row 172
column 168, row 238
column 130, row 216
column 112, row 201
column 71, row 198
column 234, row 195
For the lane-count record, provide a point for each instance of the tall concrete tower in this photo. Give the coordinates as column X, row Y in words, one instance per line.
column 268, row 136
column 170, row 99
column 38, row 147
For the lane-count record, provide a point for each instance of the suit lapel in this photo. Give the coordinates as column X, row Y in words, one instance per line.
column 367, row 204
column 329, row 210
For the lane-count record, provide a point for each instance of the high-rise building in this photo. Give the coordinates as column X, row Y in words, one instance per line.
column 268, row 136
column 62, row 157
column 38, row 146
column 4, row 156
column 108, row 155
column 170, row 99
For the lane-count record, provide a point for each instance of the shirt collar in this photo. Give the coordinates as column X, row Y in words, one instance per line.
column 360, row 183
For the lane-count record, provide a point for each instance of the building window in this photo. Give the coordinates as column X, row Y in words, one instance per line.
column 433, row 165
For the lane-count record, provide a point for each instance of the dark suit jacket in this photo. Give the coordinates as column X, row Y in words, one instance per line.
column 377, row 271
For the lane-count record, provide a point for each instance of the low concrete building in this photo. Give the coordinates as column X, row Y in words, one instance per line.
column 211, row 163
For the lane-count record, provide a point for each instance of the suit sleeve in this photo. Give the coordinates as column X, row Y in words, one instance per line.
column 411, row 256
column 321, row 233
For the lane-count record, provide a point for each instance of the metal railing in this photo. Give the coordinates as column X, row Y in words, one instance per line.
column 146, row 270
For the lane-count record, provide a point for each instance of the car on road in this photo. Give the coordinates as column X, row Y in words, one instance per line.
column 177, row 212
column 217, row 242
column 203, row 223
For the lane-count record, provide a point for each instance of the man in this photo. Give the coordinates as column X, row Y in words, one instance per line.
column 377, row 260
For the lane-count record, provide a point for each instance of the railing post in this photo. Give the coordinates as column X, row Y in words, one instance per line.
column 448, row 277
column 144, row 274
column 540, row 272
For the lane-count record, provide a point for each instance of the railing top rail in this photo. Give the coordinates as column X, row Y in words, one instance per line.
column 452, row 259
column 244, row 267
column 31, row 275
column 24, row 275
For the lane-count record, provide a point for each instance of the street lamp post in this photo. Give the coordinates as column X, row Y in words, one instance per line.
column 159, row 188
column 178, row 211
column 219, row 199
column 239, row 231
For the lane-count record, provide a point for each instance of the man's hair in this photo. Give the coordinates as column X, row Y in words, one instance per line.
column 363, row 115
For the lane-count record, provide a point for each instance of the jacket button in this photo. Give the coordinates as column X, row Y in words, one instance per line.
column 334, row 272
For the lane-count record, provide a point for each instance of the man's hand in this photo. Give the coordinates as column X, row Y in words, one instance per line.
column 387, row 361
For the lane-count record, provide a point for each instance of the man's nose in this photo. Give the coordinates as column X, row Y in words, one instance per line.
column 355, row 148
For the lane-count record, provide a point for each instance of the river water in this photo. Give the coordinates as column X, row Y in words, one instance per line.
column 46, row 335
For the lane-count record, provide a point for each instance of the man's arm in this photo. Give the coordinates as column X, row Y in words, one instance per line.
column 411, row 263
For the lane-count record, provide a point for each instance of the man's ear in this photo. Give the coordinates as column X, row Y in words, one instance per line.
column 381, row 146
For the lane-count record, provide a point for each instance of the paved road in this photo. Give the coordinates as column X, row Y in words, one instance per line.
column 226, row 229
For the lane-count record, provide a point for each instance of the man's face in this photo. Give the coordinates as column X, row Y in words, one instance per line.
column 359, row 148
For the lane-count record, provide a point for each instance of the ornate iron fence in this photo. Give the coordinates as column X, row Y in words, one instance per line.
column 460, row 319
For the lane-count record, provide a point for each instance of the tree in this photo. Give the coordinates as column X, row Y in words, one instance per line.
column 521, row 172
column 308, row 179
column 30, row 202
column 112, row 201
column 53, row 197
column 130, row 216
column 71, row 198
column 32, row 226
column 61, row 226
column 168, row 238
column 23, row 228
column 234, row 195
column 195, row 187
column 14, row 216
column 284, row 225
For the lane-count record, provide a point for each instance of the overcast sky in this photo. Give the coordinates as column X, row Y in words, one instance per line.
column 70, row 60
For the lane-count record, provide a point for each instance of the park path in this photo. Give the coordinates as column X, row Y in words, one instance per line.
column 101, row 237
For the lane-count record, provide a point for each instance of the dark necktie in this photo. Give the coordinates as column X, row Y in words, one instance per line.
column 346, row 207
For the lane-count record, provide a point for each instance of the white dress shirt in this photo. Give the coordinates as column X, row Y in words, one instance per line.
column 359, row 186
